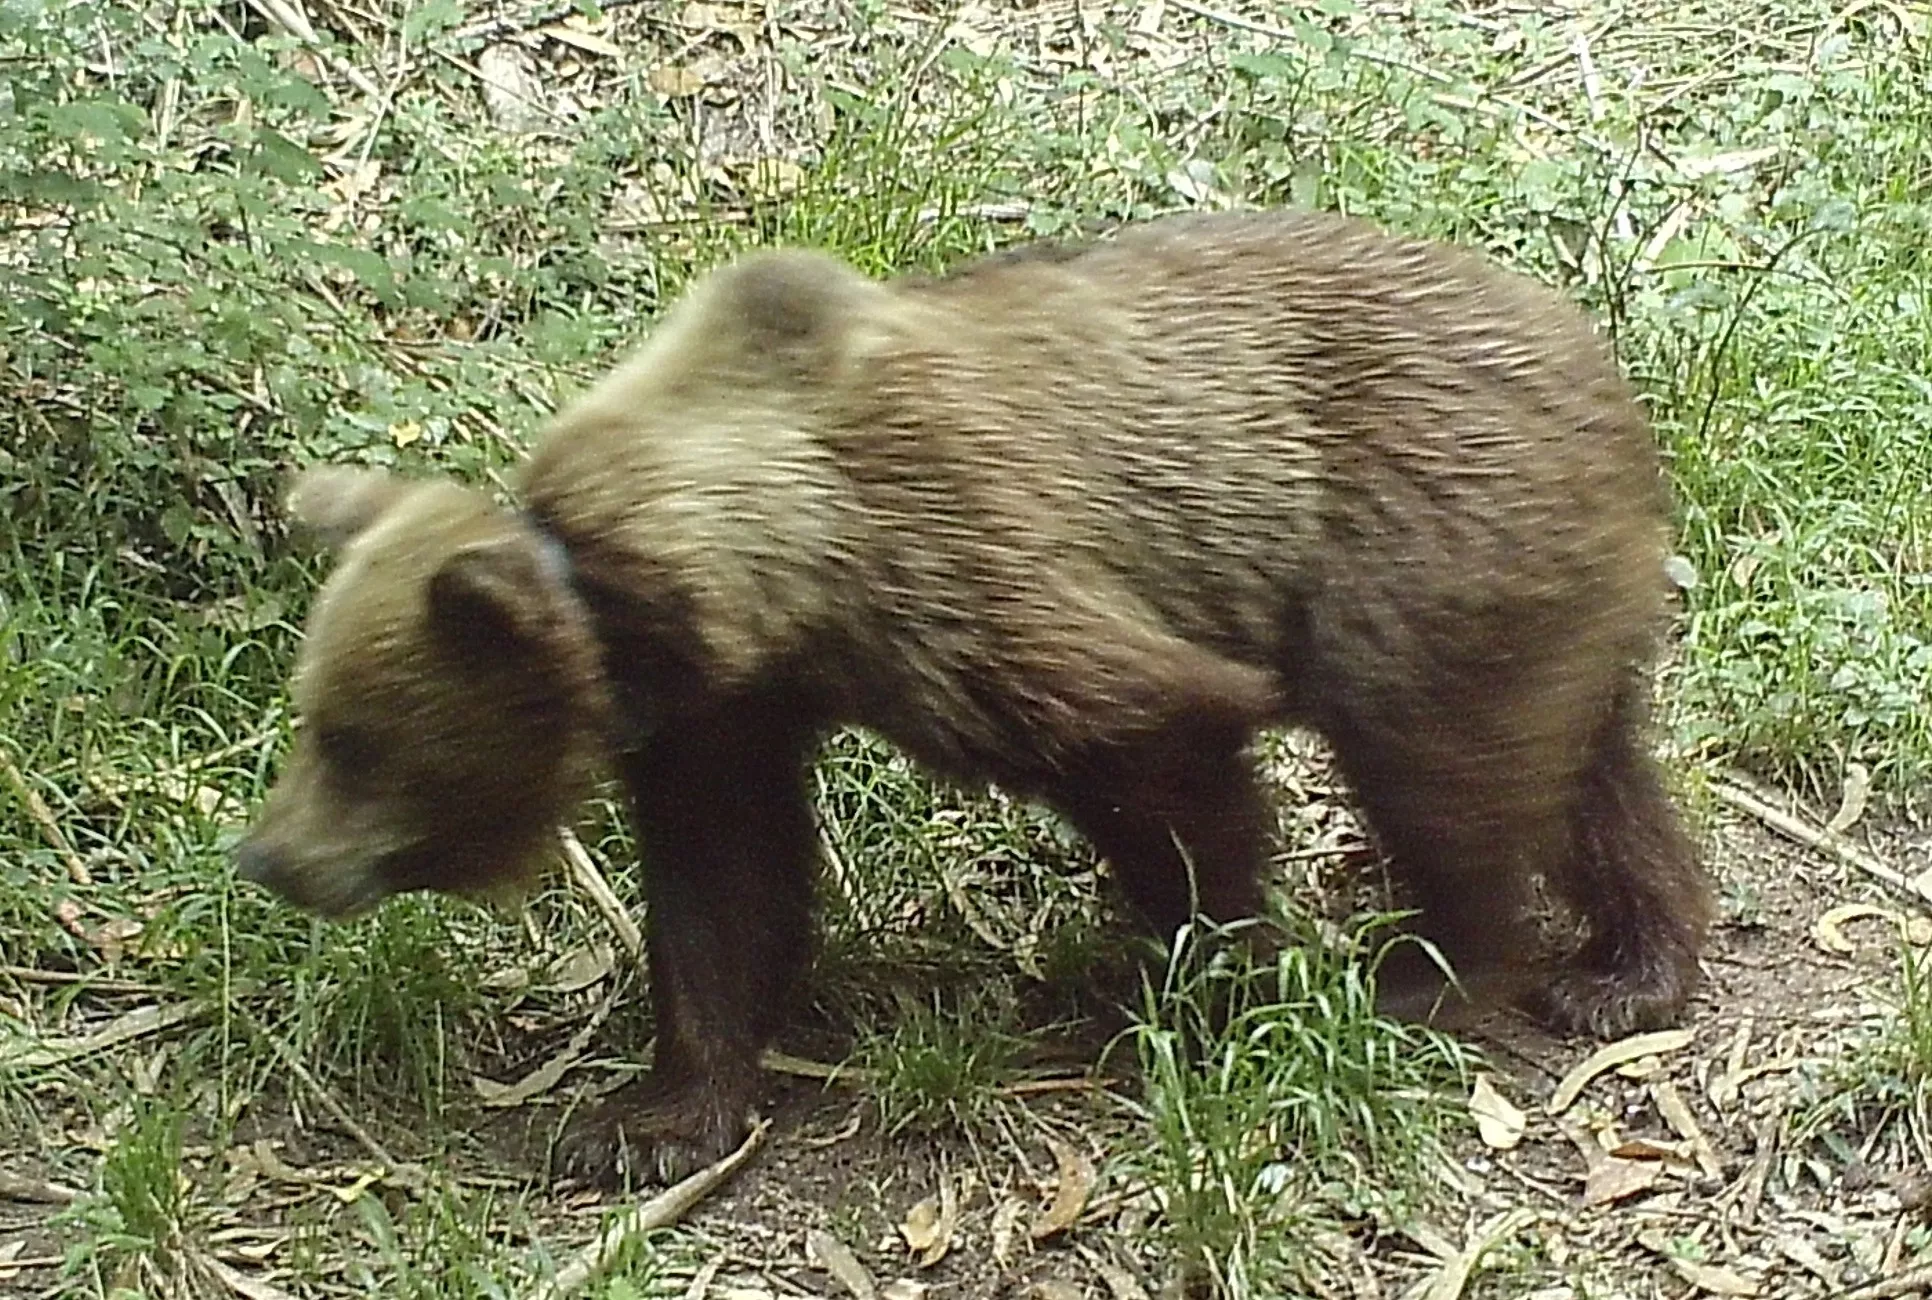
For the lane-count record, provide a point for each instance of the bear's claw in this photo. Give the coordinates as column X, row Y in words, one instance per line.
column 648, row 1133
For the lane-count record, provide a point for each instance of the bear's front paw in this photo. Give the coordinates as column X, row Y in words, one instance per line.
column 647, row 1132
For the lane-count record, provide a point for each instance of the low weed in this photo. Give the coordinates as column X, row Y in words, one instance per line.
column 1280, row 1102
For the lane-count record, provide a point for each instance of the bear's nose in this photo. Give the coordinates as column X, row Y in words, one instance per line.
column 257, row 864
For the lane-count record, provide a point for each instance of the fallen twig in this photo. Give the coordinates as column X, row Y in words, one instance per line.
column 1890, row 1288
column 19, row 1187
column 1796, row 828
column 661, row 1211
column 592, row 882
column 296, row 24
column 44, row 818
column 30, row 1053
column 337, row 1112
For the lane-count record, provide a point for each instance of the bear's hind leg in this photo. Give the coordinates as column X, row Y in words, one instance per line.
column 1633, row 876
column 725, row 824
column 1468, row 806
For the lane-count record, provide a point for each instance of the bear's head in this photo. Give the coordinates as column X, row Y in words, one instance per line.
column 450, row 699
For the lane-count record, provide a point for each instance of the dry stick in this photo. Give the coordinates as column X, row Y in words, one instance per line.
column 1817, row 837
column 592, row 882
column 112, row 788
column 296, row 24
column 661, row 1211
column 19, row 1187
column 1890, row 1288
column 328, row 1102
column 44, row 818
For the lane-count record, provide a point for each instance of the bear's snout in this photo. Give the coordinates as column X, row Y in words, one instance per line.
column 256, row 864
column 336, row 893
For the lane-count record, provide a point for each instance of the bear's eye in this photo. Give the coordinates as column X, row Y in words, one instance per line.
column 349, row 751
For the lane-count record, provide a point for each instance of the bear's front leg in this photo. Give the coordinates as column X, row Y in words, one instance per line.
column 724, row 820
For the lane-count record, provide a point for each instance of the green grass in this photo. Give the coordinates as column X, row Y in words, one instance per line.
column 1280, row 1104
column 191, row 307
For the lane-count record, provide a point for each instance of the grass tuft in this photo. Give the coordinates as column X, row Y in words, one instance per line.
column 1279, row 1103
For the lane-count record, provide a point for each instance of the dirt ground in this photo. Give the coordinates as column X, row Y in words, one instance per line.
column 1689, row 1169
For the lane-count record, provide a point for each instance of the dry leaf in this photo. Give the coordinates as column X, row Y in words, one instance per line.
column 1827, row 931
column 1453, row 1276
column 904, row 1288
column 1609, row 1057
column 1677, row 1114
column 545, row 1076
column 676, row 80
column 924, row 1228
column 249, row 1288
column 1735, row 160
column 511, row 90
column 1121, row 1284
column 27, row 1052
column 9, row 1253
column 1055, row 1288
column 1611, row 1179
column 836, row 1258
column 1851, row 803
column 1645, row 1149
column 1498, row 1121
column 1006, row 1226
column 1723, row 1088
column 579, row 969
column 1077, row 1179
column 589, row 42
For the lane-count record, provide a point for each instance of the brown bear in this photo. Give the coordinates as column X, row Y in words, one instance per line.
column 1074, row 522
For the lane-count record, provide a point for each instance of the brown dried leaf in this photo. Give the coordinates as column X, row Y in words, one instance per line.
column 1612, row 1179
column 578, row 969
column 1006, row 1225
column 1712, row 1278
column 1612, row 1055
column 929, row 1225
column 1499, row 1123
column 1677, row 1113
column 1828, row 930
column 836, row 1258
column 676, row 80
column 1645, row 1149
column 1077, row 1178
column 512, row 92
column 1851, row 803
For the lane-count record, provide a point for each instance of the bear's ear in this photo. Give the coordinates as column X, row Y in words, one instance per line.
column 336, row 503
column 492, row 596
column 793, row 308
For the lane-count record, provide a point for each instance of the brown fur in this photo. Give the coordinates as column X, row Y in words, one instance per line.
column 1077, row 524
